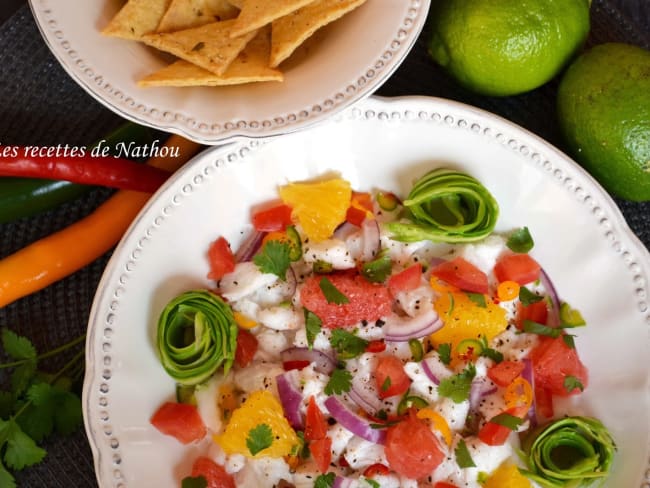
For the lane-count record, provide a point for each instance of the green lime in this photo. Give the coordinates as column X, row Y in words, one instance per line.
column 604, row 113
column 506, row 47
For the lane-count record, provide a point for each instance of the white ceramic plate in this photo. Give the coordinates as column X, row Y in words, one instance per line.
column 583, row 242
column 351, row 59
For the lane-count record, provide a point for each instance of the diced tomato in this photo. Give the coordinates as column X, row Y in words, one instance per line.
column 462, row 274
column 505, row 372
column 544, row 402
column 443, row 484
column 215, row 475
column 376, row 346
column 321, row 451
column 179, row 420
column 412, row 449
column 520, row 268
column 495, row 434
column 221, row 258
column 553, row 360
column 273, row 218
column 362, row 199
column 315, row 423
column 390, row 376
column 289, row 365
column 376, row 469
column 355, row 216
column 360, row 205
column 406, row 280
column 537, row 312
column 246, row 348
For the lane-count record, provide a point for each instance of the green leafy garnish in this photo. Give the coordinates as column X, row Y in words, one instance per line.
column 482, row 477
column 477, row 298
column 463, row 457
column 259, row 438
column 488, row 352
column 346, row 344
column 386, row 384
column 313, row 325
column 194, row 482
column 510, row 421
column 444, row 351
column 378, row 269
column 527, row 297
column 372, row 482
column 325, row 481
column 568, row 340
column 570, row 317
column 417, row 351
column 540, row 329
column 571, row 383
column 332, row 293
column 520, row 241
column 457, row 386
column 340, row 382
column 274, row 258
column 407, row 401
column 322, row 267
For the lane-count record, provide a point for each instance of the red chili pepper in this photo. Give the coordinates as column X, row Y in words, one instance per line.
column 297, row 364
column 375, row 469
column 376, row 346
column 104, row 171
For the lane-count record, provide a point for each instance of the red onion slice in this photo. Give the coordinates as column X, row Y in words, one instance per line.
column 371, row 240
column 345, row 230
column 249, row 247
column 322, row 362
column 554, row 314
column 291, row 281
column 353, row 422
column 342, row 482
column 401, row 329
column 291, row 398
column 529, row 375
column 435, row 369
column 364, row 393
column 480, row 388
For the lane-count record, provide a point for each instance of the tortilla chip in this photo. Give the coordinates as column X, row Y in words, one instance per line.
column 137, row 18
column 257, row 13
column 292, row 30
column 209, row 46
column 251, row 65
column 185, row 14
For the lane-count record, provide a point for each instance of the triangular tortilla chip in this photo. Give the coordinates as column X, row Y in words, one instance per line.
column 185, row 14
column 292, row 30
column 251, row 65
column 209, row 46
column 137, row 18
column 257, row 13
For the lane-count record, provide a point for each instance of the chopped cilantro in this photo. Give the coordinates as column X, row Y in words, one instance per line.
column 444, row 351
column 477, row 298
column 417, row 351
column 570, row 317
column 386, row 384
column 488, row 352
column 340, row 382
column 302, row 448
column 568, row 340
column 194, row 482
column 259, row 438
column 274, row 259
column 527, row 297
column 325, row 481
column 507, row 420
column 539, row 329
column 372, row 482
column 571, row 383
column 346, row 344
column 457, row 386
column 520, row 241
column 313, row 325
column 463, row 457
column 332, row 293
column 377, row 270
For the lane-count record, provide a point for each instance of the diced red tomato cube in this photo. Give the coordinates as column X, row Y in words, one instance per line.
column 544, row 402
column 444, row 484
column 376, row 346
column 462, row 274
column 246, row 348
column 274, row 218
column 406, row 280
column 553, row 360
column 215, row 475
column 537, row 312
column 221, row 258
column 494, row 434
column 520, row 268
column 505, row 372
column 376, row 469
column 391, row 377
column 315, row 423
column 321, row 451
column 298, row 364
column 179, row 420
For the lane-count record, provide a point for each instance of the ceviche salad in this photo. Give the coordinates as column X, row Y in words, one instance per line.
column 361, row 340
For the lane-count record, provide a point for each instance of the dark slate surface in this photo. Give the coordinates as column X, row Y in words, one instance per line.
column 40, row 105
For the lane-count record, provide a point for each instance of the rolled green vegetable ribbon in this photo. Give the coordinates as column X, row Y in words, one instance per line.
column 197, row 333
column 569, row 452
column 447, row 206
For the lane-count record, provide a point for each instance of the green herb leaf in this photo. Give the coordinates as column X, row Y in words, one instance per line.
column 194, row 482
column 302, row 448
column 444, row 351
column 372, row 482
column 332, row 293
column 477, row 298
column 482, row 477
column 347, row 345
column 463, row 457
column 457, row 386
column 274, row 259
column 378, row 269
column 259, row 438
column 22, row 375
column 488, row 352
column 539, row 329
column 17, row 347
column 507, row 420
column 340, row 382
column 6, row 479
column 571, row 383
column 570, row 317
column 386, row 384
column 21, row 449
column 313, row 325
column 417, row 351
column 325, row 481
column 68, row 416
column 520, row 241
column 527, row 297
column 568, row 340
column 6, row 405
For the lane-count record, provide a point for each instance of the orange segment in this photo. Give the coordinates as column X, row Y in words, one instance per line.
column 507, row 476
column 318, row 206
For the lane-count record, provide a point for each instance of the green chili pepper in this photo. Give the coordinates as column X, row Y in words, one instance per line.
column 25, row 197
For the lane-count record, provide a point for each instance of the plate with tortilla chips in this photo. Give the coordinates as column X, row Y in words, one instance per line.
column 216, row 70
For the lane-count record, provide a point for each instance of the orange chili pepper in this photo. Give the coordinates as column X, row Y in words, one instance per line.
column 58, row 255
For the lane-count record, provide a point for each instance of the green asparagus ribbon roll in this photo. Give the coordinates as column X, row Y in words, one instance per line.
column 447, row 206
column 570, row 452
column 197, row 333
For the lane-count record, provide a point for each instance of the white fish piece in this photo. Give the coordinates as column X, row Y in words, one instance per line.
column 514, row 344
column 331, row 251
column 312, row 383
column 413, row 302
column 485, row 254
column 245, row 279
column 340, row 437
column 280, row 318
column 361, row 453
column 263, row 472
column 454, row 413
column 207, row 396
column 271, row 343
column 321, row 341
column 421, row 386
column 259, row 375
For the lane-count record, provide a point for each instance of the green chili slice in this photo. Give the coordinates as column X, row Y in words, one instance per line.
column 572, row 451
column 197, row 334
column 447, row 206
